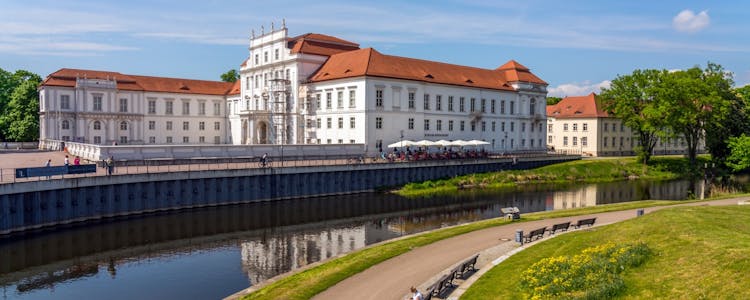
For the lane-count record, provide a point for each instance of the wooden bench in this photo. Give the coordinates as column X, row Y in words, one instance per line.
column 534, row 235
column 442, row 285
column 589, row 222
column 560, row 227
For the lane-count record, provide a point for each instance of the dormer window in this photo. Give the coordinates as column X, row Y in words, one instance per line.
column 429, row 76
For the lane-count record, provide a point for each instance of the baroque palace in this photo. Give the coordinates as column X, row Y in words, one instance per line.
column 308, row 89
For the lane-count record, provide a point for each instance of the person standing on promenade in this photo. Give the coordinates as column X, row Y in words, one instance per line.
column 110, row 166
column 416, row 294
column 67, row 161
column 77, row 161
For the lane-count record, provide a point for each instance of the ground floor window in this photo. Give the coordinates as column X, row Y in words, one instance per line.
column 123, row 140
column 97, row 140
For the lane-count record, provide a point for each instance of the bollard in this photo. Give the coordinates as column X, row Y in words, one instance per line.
column 639, row 212
column 519, row 236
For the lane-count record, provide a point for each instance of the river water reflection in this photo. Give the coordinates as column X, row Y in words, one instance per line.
column 213, row 252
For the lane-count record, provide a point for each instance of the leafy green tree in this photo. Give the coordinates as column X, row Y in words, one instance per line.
column 553, row 100
column 20, row 118
column 230, row 76
column 632, row 99
column 693, row 99
column 737, row 123
column 739, row 157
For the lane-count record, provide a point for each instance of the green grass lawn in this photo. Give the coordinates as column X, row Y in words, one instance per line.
column 307, row 283
column 699, row 252
column 582, row 171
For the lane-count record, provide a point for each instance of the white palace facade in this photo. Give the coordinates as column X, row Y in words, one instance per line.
column 308, row 89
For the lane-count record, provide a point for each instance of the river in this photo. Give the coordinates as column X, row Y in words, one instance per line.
column 213, row 252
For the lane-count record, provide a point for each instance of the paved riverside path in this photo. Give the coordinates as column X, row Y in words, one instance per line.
column 391, row 279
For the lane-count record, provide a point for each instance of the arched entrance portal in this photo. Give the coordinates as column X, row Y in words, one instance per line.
column 262, row 133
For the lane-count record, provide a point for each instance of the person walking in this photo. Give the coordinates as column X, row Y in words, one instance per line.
column 67, row 161
column 48, row 163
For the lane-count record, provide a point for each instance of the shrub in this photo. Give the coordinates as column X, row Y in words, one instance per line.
column 593, row 274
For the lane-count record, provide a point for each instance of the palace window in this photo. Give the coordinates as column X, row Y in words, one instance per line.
column 438, row 102
column 379, row 98
column 329, row 123
column 450, row 103
column 185, row 125
column 318, row 123
column 97, row 139
column 123, row 105
column 152, row 107
column 340, row 99
column 411, row 100
column 329, row 100
column 502, row 107
column 97, row 125
column 378, row 123
column 152, row 140
column 169, row 140
column 151, row 125
column 426, row 101
column 123, row 125
column 217, row 108
column 461, row 104
column 473, row 125
column 426, row 124
column 201, row 139
column 462, row 125
column 169, row 125
column 512, row 107
column 532, row 106
column 575, row 126
column 168, row 107
column 484, row 126
column 341, row 123
column 352, row 98
column 202, row 108
column 201, row 126
column 484, row 105
column 185, row 108
column 411, row 123
column 352, row 122
column 450, row 125
column 65, row 124
column 439, row 125
column 97, row 103
column 472, row 105
column 492, row 106
column 65, row 102
column 565, row 141
column 585, row 127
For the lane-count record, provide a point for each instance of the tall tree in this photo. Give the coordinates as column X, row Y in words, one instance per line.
column 632, row 98
column 703, row 98
column 737, row 123
column 230, row 76
column 20, row 119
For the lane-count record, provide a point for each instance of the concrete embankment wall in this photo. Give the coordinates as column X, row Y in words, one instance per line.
column 30, row 205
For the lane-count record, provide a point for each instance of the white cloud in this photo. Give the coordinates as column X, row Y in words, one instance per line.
column 688, row 21
column 577, row 89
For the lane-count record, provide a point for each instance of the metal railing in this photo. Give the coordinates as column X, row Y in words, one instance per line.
column 123, row 167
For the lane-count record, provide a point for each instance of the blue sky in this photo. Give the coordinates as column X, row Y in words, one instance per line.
column 576, row 46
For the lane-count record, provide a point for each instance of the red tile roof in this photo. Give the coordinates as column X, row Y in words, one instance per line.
column 515, row 71
column 235, row 90
column 319, row 44
column 370, row 62
column 577, row 107
column 67, row 77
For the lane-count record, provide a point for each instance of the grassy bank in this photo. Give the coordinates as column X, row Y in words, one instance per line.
column 307, row 283
column 583, row 171
column 699, row 253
